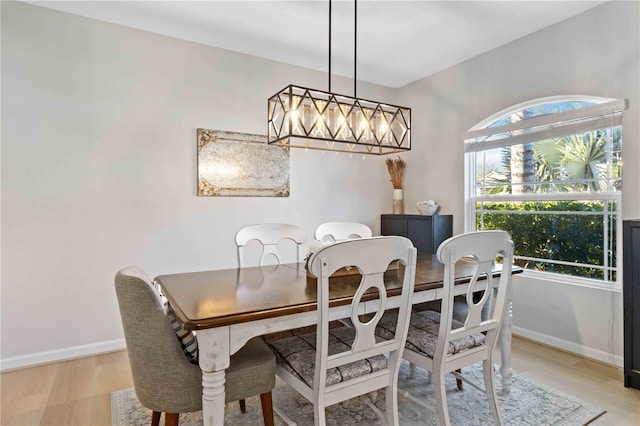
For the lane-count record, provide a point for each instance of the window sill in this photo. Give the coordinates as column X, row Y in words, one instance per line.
column 580, row 282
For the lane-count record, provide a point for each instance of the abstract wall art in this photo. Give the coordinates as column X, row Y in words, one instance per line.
column 233, row 164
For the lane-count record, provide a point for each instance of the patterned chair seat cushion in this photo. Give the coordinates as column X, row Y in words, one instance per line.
column 423, row 333
column 278, row 335
column 297, row 354
column 187, row 339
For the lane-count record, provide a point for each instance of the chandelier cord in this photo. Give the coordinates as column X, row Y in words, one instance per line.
column 355, row 46
column 329, row 46
column 307, row 118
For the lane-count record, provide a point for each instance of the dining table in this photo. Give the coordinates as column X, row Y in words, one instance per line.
column 228, row 307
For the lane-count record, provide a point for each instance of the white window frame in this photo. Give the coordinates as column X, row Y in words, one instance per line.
column 605, row 113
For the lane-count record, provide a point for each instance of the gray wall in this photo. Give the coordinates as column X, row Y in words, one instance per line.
column 99, row 170
column 98, row 163
column 595, row 53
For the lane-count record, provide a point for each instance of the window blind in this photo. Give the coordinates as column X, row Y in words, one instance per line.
column 549, row 126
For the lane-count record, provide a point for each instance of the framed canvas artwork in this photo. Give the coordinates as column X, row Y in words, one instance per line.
column 233, row 164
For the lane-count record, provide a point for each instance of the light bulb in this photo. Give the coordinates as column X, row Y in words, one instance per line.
column 319, row 122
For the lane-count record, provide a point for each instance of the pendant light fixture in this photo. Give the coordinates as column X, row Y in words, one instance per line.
column 307, row 118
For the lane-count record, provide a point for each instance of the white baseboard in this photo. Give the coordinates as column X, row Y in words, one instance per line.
column 32, row 360
column 602, row 356
column 65, row 354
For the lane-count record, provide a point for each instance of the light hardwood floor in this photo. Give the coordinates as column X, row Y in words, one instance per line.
column 78, row 392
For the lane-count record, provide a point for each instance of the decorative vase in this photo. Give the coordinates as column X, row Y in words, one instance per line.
column 398, row 201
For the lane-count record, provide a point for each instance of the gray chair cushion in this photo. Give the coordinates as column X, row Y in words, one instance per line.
column 297, row 354
column 252, row 371
column 309, row 329
column 460, row 308
column 423, row 332
column 279, row 335
column 164, row 378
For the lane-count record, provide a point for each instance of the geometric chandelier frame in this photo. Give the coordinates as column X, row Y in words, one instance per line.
column 315, row 119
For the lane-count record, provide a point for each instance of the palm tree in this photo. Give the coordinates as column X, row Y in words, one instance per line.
column 568, row 164
column 582, row 157
column 547, row 160
column 523, row 172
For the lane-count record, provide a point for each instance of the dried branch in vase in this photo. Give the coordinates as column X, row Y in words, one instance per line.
column 396, row 168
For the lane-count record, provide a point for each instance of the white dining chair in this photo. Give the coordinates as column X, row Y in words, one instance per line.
column 269, row 235
column 340, row 231
column 439, row 343
column 339, row 363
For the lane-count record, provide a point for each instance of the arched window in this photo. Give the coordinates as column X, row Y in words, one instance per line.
column 549, row 171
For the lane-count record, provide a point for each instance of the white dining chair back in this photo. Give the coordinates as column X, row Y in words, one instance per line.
column 338, row 363
column 269, row 235
column 339, row 231
column 442, row 344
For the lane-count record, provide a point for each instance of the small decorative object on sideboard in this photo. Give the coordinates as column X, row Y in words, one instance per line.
column 396, row 168
column 427, row 208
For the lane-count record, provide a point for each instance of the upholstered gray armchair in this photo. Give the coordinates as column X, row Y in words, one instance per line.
column 164, row 379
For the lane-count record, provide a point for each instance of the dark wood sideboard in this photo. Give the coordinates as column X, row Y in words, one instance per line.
column 631, row 301
column 426, row 232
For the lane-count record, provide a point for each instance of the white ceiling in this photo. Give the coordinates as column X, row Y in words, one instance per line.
column 398, row 41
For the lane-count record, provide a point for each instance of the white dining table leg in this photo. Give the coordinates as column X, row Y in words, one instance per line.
column 213, row 346
column 505, row 343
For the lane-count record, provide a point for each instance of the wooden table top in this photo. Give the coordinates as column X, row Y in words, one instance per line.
column 230, row 296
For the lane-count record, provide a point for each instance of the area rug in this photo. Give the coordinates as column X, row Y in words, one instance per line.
column 528, row 403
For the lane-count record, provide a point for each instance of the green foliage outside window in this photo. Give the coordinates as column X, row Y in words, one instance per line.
column 534, row 190
column 548, row 230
